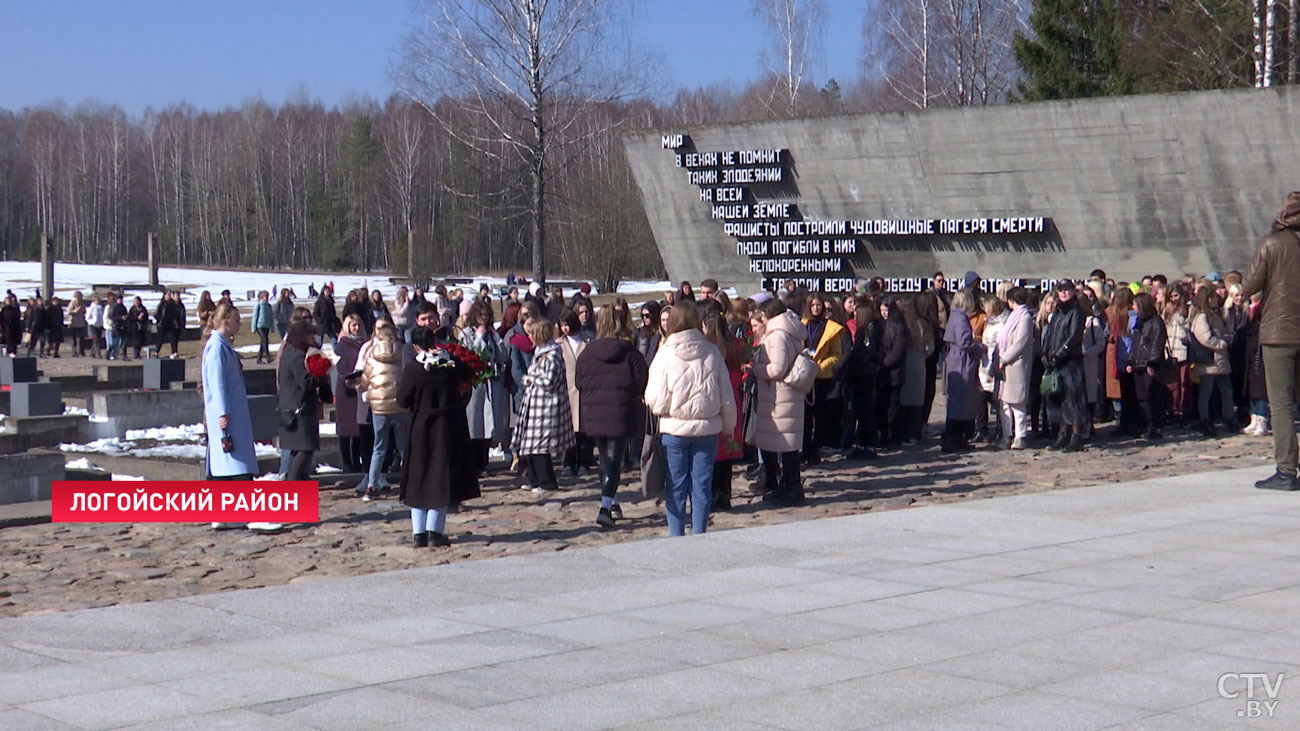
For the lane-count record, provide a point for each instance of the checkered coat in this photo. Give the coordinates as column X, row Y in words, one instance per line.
column 545, row 418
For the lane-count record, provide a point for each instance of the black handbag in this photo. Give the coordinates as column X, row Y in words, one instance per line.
column 289, row 418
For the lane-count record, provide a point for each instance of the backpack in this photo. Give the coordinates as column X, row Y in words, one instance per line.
column 803, row 373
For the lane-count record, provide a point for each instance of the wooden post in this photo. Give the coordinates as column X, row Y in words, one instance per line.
column 152, row 243
column 47, row 266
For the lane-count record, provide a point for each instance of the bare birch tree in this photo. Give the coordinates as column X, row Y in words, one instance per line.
column 945, row 52
column 1293, row 38
column 523, row 72
column 1270, row 41
column 797, row 27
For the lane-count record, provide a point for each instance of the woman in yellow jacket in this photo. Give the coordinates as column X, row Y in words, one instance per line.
column 823, row 422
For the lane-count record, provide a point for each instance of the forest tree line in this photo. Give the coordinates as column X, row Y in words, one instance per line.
column 420, row 182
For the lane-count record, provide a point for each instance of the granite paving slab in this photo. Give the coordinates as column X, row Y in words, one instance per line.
column 1138, row 605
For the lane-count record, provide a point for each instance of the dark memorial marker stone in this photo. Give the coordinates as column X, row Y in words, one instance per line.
column 36, row 399
column 161, row 373
column 17, row 370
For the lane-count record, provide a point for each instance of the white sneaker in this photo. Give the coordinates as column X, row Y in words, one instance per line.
column 223, row 526
column 1018, row 443
column 265, row 526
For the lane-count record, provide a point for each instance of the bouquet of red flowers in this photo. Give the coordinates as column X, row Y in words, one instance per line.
column 318, row 366
column 479, row 370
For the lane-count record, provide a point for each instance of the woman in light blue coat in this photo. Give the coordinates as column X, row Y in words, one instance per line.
column 225, row 402
column 229, row 426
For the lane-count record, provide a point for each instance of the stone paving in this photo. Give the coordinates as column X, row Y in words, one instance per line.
column 73, row 566
column 1119, row 605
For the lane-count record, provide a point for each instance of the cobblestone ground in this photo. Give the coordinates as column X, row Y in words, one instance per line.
column 49, row 567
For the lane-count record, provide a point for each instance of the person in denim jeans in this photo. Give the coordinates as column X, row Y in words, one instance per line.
column 611, row 378
column 690, row 391
column 380, row 363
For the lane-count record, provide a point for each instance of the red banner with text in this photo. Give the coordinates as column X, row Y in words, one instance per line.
column 260, row 501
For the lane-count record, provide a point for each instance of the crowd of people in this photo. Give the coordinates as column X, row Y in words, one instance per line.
column 702, row 384
column 97, row 327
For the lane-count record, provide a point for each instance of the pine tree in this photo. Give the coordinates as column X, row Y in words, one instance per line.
column 1077, row 51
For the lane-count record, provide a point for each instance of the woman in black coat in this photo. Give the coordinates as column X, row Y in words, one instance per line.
column 139, row 327
column 300, row 397
column 889, row 380
column 440, row 468
column 611, row 377
column 1144, row 363
column 11, row 325
column 861, row 370
column 54, row 325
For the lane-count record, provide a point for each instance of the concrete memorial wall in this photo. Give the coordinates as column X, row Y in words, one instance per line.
column 1171, row 183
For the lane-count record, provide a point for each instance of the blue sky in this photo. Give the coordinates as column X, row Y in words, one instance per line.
column 214, row 53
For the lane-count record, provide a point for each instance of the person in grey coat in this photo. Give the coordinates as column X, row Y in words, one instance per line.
column 961, row 374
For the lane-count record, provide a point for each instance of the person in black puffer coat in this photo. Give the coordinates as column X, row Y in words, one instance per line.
column 611, row 377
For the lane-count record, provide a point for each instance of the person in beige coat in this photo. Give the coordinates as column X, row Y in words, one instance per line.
column 573, row 340
column 779, row 428
column 1015, row 354
column 1210, row 330
column 690, row 391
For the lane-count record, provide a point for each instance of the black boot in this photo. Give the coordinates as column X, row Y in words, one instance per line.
column 1279, row 481
column 1075, row 444
column 420, row 540
column 1062, row 440
column 437, row 540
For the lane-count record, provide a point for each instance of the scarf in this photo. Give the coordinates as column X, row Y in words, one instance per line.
column 1017, row 315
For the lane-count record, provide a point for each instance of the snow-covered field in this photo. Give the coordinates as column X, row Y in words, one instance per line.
column 24, row 278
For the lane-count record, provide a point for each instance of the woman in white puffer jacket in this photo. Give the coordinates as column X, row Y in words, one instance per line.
column 690, row 391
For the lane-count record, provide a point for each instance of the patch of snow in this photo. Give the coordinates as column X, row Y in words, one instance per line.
column 75, row 411
column 641, row 287
column 187, row 433
column 329, row 428
column 81, row 464
column 111, row 446
column 171, row 442
column 323, row 468
column 269, row 477
column 127, row 478
column 256, row 348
